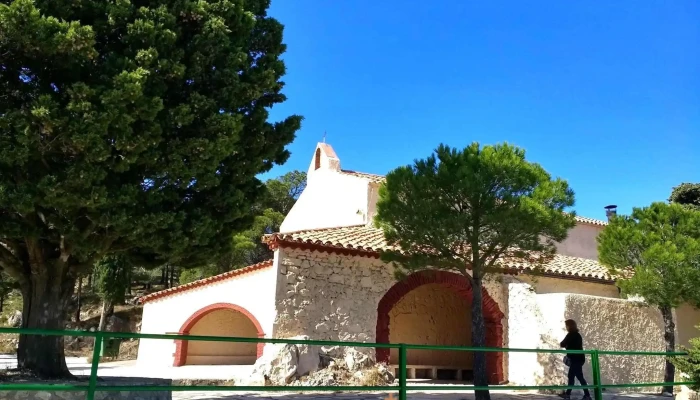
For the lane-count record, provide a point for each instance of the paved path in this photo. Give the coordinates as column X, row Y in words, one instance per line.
column 80, row 366
column 382, row 396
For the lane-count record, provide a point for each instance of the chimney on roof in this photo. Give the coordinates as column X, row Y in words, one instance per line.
column 610, row 211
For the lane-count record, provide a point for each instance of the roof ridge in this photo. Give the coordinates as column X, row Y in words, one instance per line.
column 318, row 229
column 360, row 172
column 205, row 281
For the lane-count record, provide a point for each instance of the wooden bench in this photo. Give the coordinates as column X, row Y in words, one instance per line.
column 431, row 371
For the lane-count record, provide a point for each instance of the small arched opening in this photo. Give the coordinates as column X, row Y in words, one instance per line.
column 317, row 159
column 221, row 319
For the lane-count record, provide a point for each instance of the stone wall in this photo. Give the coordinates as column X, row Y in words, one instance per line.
column 537, row 321
column 335, row 297
column 329, row 296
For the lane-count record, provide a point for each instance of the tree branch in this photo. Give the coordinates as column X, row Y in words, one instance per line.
column 11, row 264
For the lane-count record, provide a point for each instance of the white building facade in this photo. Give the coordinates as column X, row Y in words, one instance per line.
column 326, row 281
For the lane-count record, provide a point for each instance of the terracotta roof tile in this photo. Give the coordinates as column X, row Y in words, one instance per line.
column 371, row 177
column 380, row 179
column 591, row 221
column 205, row 281
column 370, row 241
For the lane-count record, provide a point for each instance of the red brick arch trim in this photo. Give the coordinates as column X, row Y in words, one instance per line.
column 181, row 345
column 460, row 284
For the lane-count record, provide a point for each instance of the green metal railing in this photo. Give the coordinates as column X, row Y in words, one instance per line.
column 597, row 387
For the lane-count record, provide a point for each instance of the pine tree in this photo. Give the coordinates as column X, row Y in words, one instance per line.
column 468, row 210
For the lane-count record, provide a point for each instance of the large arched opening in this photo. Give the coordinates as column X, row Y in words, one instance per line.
column 221, row 319
column 434, row 308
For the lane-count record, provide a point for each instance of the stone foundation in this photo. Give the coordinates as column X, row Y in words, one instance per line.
column 81, row 395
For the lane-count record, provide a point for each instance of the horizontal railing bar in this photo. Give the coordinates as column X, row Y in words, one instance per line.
column 651, row 384
column 181, row 388
column 129, row 335
column 495, row 349
column 188, row 388
column 499, row 388
column 639, row 353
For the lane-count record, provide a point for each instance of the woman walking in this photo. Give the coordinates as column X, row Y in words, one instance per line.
column 574, row 341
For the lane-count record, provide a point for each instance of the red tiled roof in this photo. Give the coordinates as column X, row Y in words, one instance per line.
column 205, row 281
column 371, row 177
column 380, row 179
column 591, row 221
column 368, row 241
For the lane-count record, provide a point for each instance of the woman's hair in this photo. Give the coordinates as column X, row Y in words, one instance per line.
column 570, row 325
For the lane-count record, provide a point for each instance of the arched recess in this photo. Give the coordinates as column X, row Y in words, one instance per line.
column 460, row 284
column 181, row 346
column 317, row 159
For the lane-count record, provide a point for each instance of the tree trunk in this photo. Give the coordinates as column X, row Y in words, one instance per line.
column 46, row 293
column 2, row 302
column 172, row 276
column 89, row 285
column 128, row 285
column 479, row 340
column 107, row 311
column 670, row 338
column 78, row 305
column 164, row 274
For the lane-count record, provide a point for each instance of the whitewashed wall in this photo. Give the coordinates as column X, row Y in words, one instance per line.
column 254, row 291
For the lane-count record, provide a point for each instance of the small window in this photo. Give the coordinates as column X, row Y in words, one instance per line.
column 317, row 162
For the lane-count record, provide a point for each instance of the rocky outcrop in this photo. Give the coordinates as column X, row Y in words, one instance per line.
column 282, row 363
column 304, row 365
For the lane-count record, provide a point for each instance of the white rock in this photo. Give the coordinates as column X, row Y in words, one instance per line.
column 15, row 320
column 356, row 360
column 281, row 363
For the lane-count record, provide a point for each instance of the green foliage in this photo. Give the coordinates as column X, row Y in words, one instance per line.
column 112, row 279
column 470, row 209
column 687, row 194
column 139, row 128
column 690, row 365
column 283, row 192
column 193, row 274
column 656, row 253
column 280, row 195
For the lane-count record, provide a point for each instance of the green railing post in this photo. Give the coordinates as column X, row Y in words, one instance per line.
column 95, row 363
column 595, row 363
column 402, row 371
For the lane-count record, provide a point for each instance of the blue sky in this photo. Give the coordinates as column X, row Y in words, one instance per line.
column 605, row 94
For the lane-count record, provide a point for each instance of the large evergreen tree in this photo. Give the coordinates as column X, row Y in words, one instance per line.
column 655, row 252
column 132, row 127
column 468, row 211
